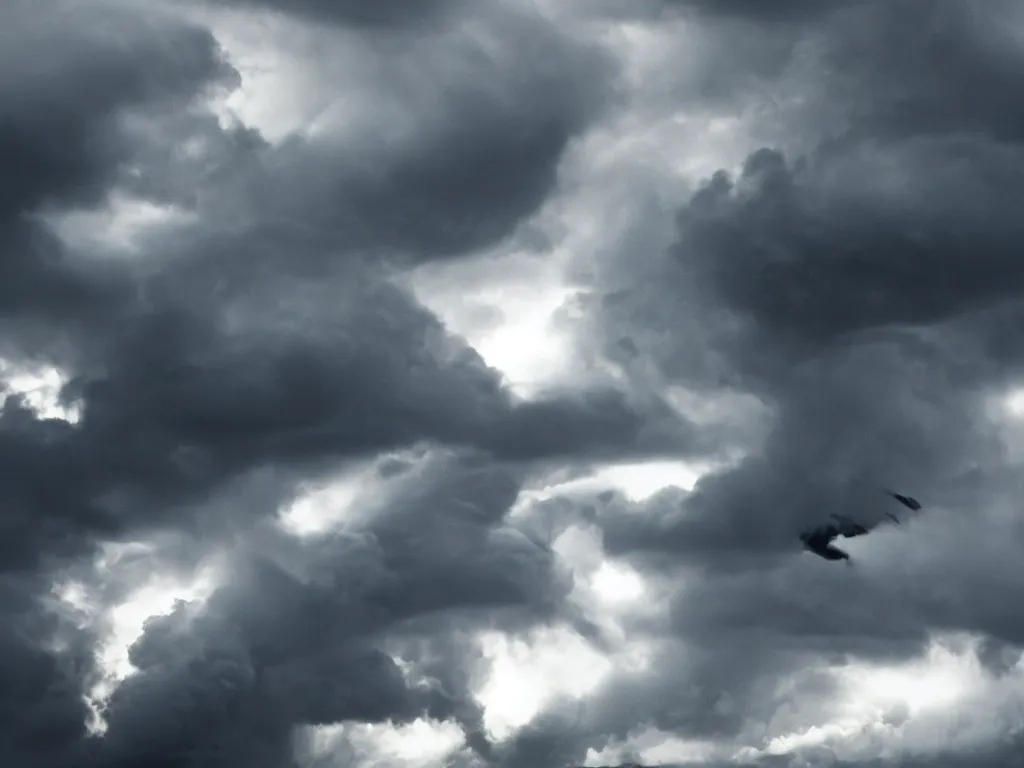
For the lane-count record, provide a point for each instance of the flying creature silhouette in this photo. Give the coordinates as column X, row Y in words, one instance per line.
column 819, row 539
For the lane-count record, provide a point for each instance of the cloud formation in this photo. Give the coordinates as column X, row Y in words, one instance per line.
column 790, row 252
column 387, row 14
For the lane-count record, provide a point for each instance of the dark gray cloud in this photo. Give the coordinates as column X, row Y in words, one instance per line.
column 291, row 641
column 279, row 340
column 64, row 144
column 42, row 713
column 855, row 314
column 864, row 318
column 895, row 71
column 186, row 379
column 462, row 140
column 63, row 139
column 784, row 12
column 859, row 282
column 234, row 357
column 751, row 10
column 387, row 14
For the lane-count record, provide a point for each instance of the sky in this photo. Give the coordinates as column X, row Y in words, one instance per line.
column 428, row 383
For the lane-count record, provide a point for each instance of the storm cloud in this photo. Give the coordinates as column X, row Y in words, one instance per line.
column 287, row 504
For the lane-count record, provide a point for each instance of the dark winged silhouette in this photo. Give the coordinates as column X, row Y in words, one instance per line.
column 819, row 540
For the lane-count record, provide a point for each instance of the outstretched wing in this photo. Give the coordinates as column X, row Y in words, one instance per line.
column 908, row 501
column 821, row 537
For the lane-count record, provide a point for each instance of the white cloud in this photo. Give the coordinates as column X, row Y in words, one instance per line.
column 617, row 584
column 283, row 65
column 655, row 747
column 526, row 673
column 41, row 387
column 120, row 624
column 116, row 227
column 938, row 680
column 419, row 744
column 942, row 701
column 635, row 480
column 331, row 504
column 506, row 311
column 639, row 481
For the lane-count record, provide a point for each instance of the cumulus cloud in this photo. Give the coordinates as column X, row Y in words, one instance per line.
column 786, row 233
column 864, row 318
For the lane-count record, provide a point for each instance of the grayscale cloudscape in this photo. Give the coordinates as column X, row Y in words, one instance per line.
column 443, row 383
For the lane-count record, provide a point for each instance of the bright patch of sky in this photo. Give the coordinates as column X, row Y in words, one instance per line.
column 117, row 226
column 420, row 744
column 41, row 387
column 527, row 673
column 121, row 623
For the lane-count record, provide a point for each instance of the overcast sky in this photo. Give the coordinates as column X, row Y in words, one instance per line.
column 420, row 383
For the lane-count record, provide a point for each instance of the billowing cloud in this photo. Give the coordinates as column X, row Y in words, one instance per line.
column 440, row 150
column 865, row 319
column 300, row 639
column 282, row 513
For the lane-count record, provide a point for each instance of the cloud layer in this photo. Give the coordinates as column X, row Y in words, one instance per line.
column 788, row 235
